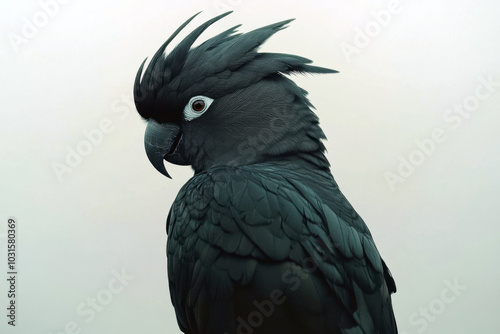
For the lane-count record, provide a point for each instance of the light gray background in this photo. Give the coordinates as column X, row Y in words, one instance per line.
column 438, row 226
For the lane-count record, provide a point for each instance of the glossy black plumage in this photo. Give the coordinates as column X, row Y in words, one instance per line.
column 229, row 225
column 260, row 240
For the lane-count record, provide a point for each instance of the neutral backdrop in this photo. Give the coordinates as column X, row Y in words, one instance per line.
column 412, row 124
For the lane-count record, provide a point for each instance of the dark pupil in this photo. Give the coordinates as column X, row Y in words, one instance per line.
column 198, row 105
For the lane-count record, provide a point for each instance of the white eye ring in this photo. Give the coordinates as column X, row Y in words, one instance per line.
column 196, row 107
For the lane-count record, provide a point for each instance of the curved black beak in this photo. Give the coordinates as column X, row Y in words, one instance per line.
column 159, row 141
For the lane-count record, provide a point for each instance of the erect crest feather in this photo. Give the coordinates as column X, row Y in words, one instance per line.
column 219, row 66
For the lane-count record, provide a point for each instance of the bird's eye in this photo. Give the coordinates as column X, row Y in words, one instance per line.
column 196, row 107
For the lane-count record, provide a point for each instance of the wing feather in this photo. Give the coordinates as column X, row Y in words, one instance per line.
column 229, row 223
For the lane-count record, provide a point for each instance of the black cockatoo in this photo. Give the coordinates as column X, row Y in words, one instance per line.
column 260, row 239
